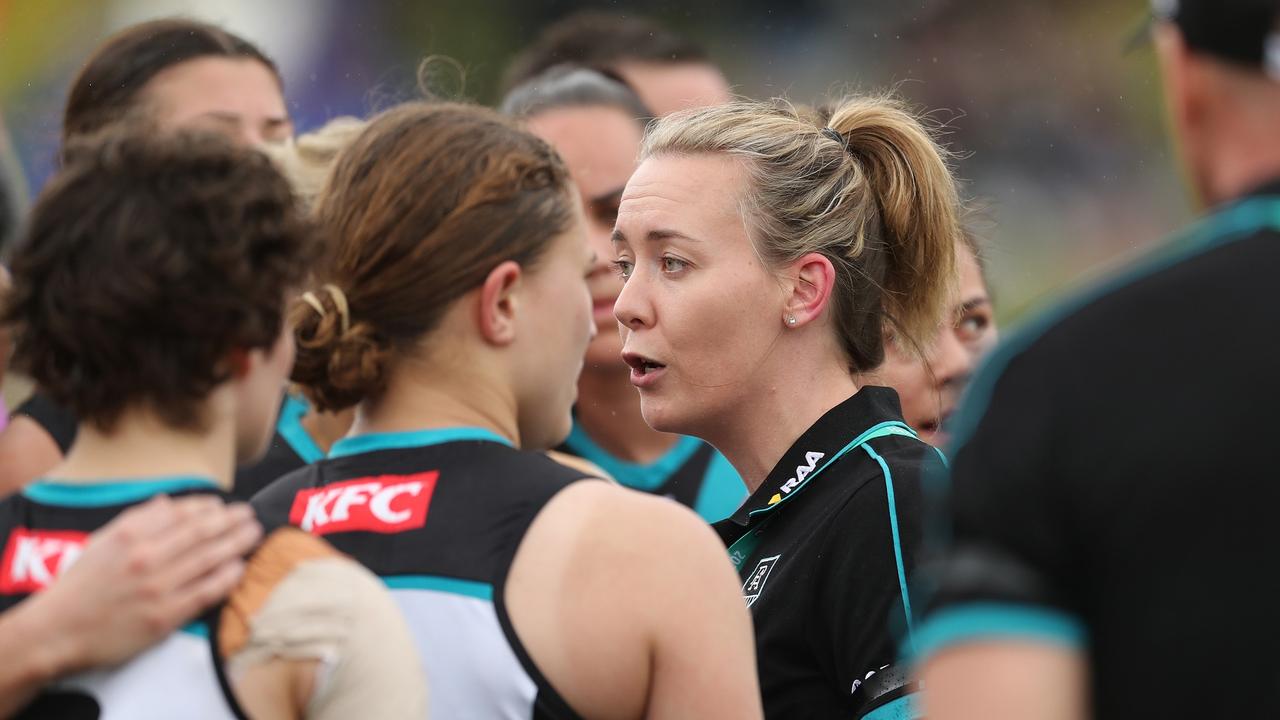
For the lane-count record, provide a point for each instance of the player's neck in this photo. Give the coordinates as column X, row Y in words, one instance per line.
column 440, row 398
column 755, row 435
column 608, row 410
column 140, row 446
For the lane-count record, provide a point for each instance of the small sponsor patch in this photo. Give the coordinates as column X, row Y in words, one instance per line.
column 382, row 504
column 33, row 559
column 754, row 585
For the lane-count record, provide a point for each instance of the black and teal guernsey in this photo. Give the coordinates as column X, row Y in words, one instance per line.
column 825, row 549
column 691, row 472
column 438, row 515
column 1114, row 490
column 44, row 529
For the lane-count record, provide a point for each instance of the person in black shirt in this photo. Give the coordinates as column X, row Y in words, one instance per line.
column 1112, row 498
column 766, row 261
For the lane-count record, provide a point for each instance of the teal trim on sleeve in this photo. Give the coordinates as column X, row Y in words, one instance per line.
column 290, row 428
column 992, row 621
column 897, row 544
column 120, row 491
column 437, row 583
column 904, row 708
column 722, row 490
column 637, row 476
column 195, row 629
column 411, row 439
column 1232, row 223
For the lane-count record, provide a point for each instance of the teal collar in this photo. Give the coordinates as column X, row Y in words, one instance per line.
column 412, row 439
column 122, row 491
column 290, row 428
column 640, row 476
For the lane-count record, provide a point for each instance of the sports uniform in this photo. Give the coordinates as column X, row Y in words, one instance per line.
column 824, row 548
column 1112, row 486
column 43, row 529
column 438, row 515
column 691, row 472
column 298, row 599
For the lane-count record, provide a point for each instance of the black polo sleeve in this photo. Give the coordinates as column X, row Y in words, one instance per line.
column 1005, row 565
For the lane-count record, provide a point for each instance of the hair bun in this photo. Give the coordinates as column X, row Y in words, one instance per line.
column 337, row 363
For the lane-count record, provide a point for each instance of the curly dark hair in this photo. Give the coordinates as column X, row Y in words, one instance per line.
column 146, row 262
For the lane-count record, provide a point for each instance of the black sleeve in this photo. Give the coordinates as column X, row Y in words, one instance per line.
column 861, row 597
column 55, row 419
column 1005, row 563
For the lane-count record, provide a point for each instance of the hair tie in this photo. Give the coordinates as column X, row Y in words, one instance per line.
column 339, row 302
column 835, row 135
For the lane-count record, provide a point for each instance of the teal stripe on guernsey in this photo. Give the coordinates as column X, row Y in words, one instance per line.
column 290, row 428
column 411, row 439
column 901, row 709
column 722, row 489
column 116, row 492
column 1232, row 223
column 453, row 586
column 897, row 545
column 638, row 476
column 980, row 621
column 195, row 629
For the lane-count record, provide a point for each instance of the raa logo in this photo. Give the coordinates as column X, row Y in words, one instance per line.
column 754, row 585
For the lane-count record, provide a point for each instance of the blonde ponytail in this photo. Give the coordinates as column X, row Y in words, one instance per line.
column 872, row 192
column 917, row 203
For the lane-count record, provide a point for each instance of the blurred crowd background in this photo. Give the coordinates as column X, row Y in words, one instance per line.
column 1058, row 122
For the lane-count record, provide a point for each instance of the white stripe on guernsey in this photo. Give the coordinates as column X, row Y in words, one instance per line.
column 175, row 679
column 472, row 669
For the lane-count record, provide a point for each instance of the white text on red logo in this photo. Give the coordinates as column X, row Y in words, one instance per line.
column 33, row 559
column 383, row 504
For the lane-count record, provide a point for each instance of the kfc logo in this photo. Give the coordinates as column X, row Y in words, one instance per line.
column 33, row 559
column 383, row 504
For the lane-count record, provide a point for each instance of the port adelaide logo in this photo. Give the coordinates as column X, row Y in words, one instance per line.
column 754, row 585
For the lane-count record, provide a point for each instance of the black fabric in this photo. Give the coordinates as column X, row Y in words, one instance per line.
column 1235, row 30
column 1122, row 476
column 280, row 460
column 685, row 484
column 829, row 609
column 485, row 496
column 56, row 420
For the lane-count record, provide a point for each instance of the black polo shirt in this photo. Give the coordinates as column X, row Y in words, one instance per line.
column 1114, row 486
column 825, row 548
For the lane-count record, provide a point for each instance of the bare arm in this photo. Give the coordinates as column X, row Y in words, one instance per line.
column 139, row 578
column 704, row 661
column 26, row 453
column 1005, row 680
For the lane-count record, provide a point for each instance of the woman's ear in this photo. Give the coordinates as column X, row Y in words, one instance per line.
column 499, row 303
column 810, row 281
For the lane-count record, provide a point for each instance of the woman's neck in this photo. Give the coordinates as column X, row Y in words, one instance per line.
column 140, row 446
column 326, row 428
column 438, row 399
column 609, row 411
column 754, row 436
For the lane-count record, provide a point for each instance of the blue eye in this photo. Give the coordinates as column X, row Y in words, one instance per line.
column 623, row 268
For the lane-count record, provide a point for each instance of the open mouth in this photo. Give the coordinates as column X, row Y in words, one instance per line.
column 641, row 365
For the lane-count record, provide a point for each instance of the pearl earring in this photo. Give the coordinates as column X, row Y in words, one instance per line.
column 791, row 319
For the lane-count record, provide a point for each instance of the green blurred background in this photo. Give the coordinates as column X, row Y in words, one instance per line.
column 1062, row 141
